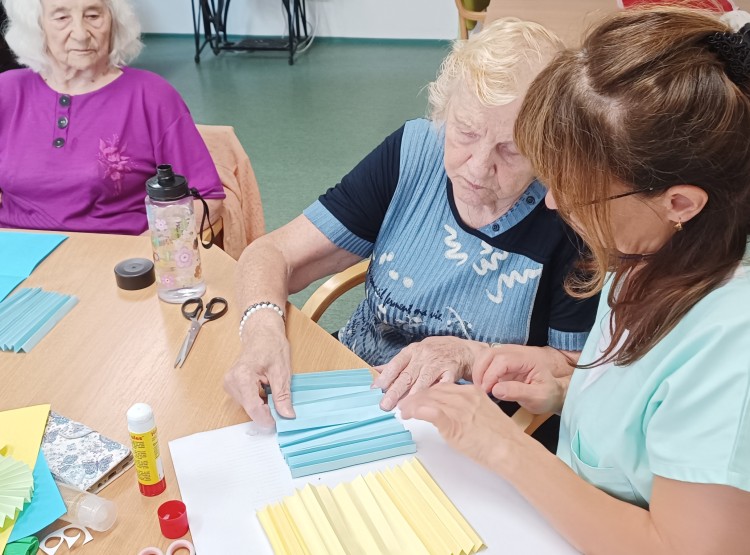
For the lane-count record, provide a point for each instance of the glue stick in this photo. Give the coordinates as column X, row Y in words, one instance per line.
column 148, row 465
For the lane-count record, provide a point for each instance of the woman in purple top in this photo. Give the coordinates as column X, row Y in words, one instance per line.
column 80, row 133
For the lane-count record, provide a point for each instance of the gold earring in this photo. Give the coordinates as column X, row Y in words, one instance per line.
column 678, row 226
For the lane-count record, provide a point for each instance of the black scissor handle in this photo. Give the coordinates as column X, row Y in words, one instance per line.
column 219, row 302
column 192, row 308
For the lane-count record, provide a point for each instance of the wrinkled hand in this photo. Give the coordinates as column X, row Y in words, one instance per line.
column 437, row 359
column 265, row 360
column 467, row 419
column 522, row 374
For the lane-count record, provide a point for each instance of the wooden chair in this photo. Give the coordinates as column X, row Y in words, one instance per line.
column 342, row 282
column 468, row 16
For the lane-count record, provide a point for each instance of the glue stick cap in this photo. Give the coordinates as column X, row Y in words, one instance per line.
column 141, row 418
column 173, row 519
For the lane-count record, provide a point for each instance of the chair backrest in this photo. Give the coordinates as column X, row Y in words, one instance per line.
column 469, row 13
column 242, row 216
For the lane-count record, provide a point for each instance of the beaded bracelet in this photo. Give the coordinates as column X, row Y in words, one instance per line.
column 258, row 306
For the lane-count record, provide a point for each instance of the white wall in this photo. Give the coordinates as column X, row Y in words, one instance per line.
column 392, row 19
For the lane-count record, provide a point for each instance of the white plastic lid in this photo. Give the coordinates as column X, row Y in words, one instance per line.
column 140, row 418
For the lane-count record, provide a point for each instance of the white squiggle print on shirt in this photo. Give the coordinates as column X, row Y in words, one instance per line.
column 492, row 265
column 509, row 280
column 460, row 322
column 453, row 253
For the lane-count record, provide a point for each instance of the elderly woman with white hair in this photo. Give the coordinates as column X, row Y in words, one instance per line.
column 464, row 251
column 80, row 132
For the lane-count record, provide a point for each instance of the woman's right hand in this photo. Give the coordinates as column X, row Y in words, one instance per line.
column 524, row 375
column 265, row 360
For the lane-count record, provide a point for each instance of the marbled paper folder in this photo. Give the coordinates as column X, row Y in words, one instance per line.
column 339, row 423
column 81, row 457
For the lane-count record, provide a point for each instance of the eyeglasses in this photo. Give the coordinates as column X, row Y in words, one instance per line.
column 621, row 195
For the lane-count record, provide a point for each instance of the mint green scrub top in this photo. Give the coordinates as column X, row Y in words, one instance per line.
column 681, row 412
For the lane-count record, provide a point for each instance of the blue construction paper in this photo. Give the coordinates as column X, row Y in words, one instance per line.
column 328, row 419
column 348, row 437
column 341, row 402
column 349, row 450
column 45, row 328
column 21, row 252
column 46, row 503
column 332, row 383
column 305, row 396
column 300, row 471
column 8, row 284
column 28, row 315
column 330, row 374
column 292, row 438
column 328, row 380
column 11, row 304
column 27, row 323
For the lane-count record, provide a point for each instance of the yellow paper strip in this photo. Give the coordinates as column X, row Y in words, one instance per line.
column 287, row 530
column 417, row 521
column 367, row 542
column 407, row 538
column 21, row 430
column 410, row 494
column 305, row 524
column 277, row 544
column 448, row 520
column 339, row 524
column 373, row 516
column 318, row 514
column 446, row 502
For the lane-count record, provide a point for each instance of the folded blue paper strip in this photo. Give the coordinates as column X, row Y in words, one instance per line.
column 28, row 315
column 21, row 253
column 339, row 423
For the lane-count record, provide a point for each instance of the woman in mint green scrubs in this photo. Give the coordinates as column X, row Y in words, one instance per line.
column 643, row 138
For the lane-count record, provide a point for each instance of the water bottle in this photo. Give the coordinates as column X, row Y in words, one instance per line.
column 174, row 238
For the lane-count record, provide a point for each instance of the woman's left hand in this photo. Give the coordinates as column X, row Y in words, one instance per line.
column 468, row 421
column 436, row 359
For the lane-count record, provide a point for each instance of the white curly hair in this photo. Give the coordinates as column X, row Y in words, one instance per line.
column 25, row 36
column 496, row 64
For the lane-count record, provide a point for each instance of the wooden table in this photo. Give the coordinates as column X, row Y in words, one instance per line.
column 116, row 348
column 568, row 18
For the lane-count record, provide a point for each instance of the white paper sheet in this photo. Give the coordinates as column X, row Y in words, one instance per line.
column 226, row 474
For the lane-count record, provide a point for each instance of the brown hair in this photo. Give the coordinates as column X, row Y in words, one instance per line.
column 645, row 103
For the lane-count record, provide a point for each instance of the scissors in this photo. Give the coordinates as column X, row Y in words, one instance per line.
column 191, row 309
column 172, row 549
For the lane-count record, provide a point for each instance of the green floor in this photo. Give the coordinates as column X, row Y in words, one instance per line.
column 306, row 125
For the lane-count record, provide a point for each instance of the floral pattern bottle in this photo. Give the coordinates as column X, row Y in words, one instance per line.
column 174, row 238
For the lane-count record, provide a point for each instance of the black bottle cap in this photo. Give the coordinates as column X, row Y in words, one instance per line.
column 166, row 185
column 135, row 273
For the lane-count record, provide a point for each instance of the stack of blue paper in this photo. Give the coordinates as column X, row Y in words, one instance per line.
column 339, row 423
column 20, row 253
column 28, row 315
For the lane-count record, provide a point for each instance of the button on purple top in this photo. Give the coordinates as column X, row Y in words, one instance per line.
column 80, row 163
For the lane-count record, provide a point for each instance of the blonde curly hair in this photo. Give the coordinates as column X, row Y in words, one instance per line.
column 496, row 64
